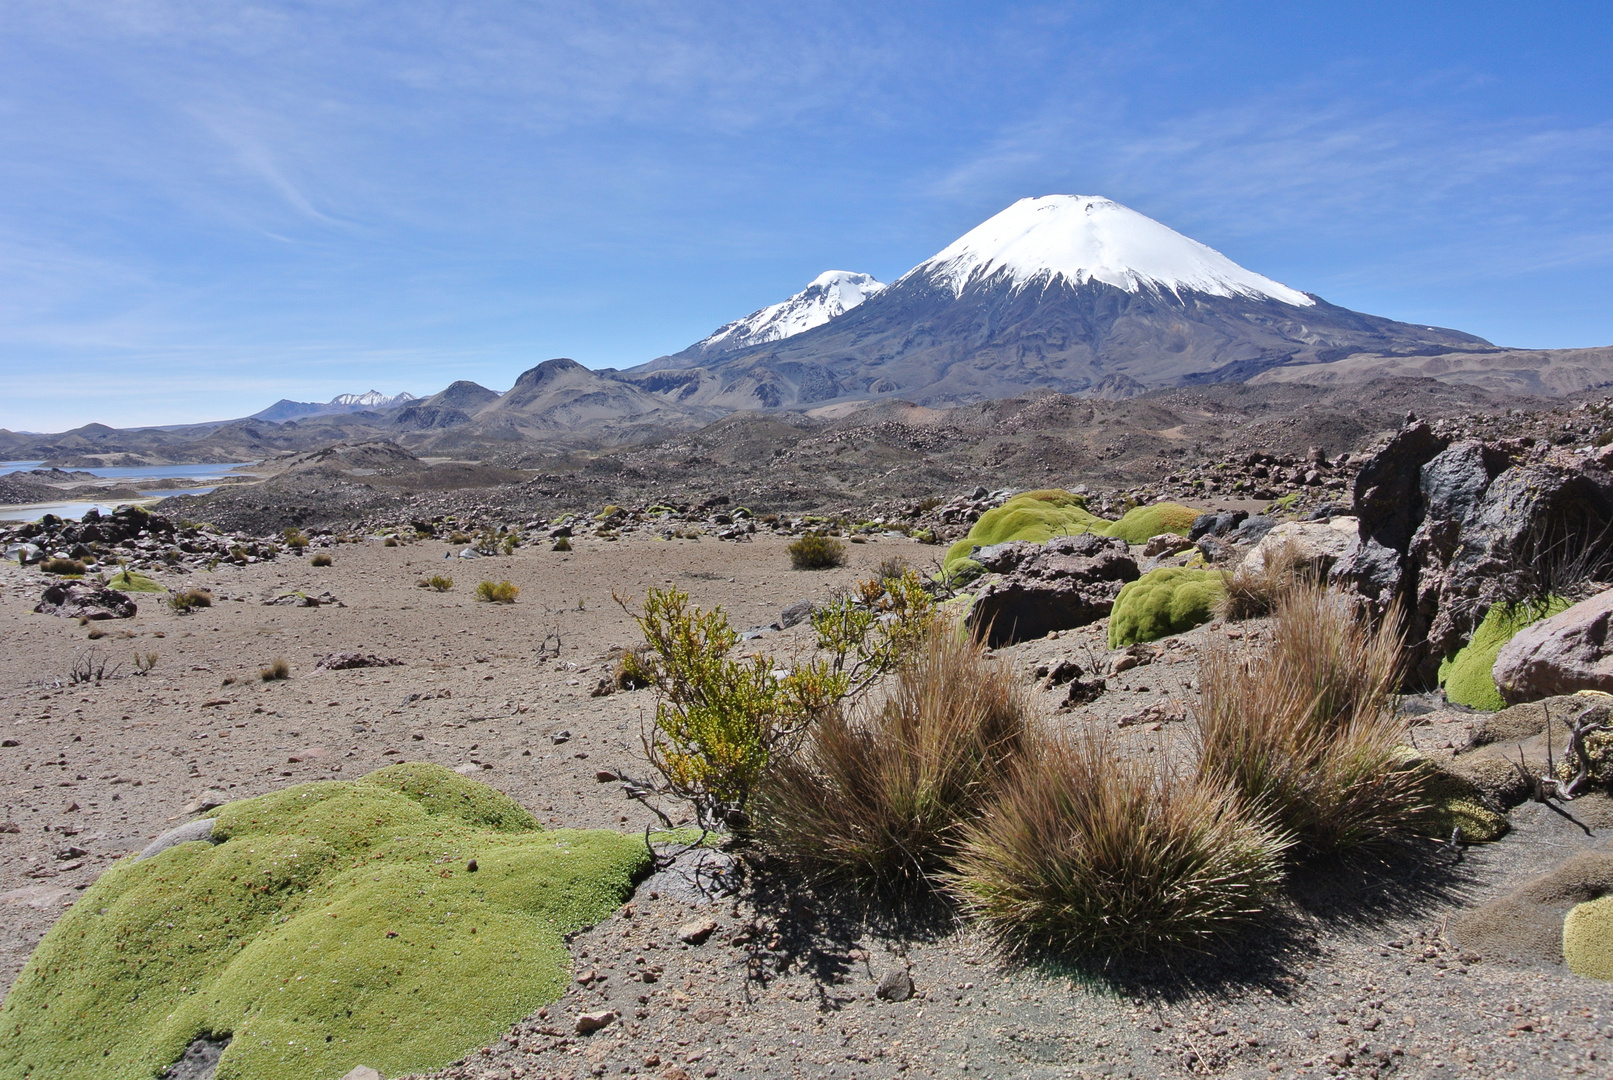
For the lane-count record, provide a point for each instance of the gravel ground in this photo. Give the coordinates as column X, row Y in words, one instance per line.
column 1355, row 975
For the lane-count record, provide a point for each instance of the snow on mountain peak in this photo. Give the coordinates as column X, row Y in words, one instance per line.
column 831, row 293
column 371, row 399
column 1085, row 238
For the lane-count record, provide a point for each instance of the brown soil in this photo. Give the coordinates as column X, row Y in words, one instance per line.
column 1355, row 975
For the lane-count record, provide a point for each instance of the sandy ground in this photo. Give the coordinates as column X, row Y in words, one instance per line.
column 1356, row 976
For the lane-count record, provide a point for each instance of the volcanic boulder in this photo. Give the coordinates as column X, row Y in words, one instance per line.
column 1067, row 582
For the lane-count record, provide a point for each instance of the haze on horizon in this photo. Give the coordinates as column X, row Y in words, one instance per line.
column 211, row 208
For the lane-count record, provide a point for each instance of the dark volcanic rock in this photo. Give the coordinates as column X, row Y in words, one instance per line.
column 1530, row 516
column 1067, row 582
column 74, row 601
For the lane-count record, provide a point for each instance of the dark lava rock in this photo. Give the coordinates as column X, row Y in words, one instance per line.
column 1067, row 582
column 75, row 601
column 1216, row 524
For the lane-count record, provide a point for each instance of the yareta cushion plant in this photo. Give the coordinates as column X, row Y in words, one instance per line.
column 397, row 921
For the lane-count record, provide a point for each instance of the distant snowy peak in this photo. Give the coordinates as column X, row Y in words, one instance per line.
column 373, row 399
column 1083, row 238
column 832, row 293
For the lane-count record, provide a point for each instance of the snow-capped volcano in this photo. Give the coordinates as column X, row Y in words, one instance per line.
column 831, row 294
column 1083, row 238
column 1074, row 293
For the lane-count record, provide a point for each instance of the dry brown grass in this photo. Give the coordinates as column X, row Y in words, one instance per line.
column 183, row 601
column 881, row 799
column 275, row 670
column 1306, row 729
column 1251, row 594
column 1089, row 854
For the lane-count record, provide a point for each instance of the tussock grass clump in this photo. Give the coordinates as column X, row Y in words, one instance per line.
column 501, row 592
column 882, row 798
column 562, row 544
column 1306, row 730
column 322, row 559
column 391, row 541
column 184, row 601
column 817, row 552
column 295, row 538
column 1091, row 854
column 275, row 671
column 1252, row 592
column 892, row 568
column 66, row 567
column 438, row 582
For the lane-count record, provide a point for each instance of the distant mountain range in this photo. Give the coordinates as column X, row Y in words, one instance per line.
column 1072, row 293
column 286, row 409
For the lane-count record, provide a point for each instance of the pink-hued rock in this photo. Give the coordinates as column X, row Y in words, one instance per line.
column 1568, row 652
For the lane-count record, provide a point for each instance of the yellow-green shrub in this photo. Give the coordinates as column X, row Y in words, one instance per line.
column 1162, row 602
column 1467, row 676
column 501, row 592
column 1041, row 515
column 335, row 924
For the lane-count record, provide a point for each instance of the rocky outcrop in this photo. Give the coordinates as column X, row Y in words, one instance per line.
column 1317, row 546
column 1566, row 653
column 1067, row 582
column 1450, row 529
column 75, row 601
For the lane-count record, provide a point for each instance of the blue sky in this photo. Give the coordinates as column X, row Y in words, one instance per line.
column 209, row 205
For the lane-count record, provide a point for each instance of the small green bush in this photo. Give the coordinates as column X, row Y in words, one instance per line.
column 322, row 559
column 497, row 593
column 439, row 582
column 719, row 722
column 816, row 552
column 1467, row 675
column 1166, row 601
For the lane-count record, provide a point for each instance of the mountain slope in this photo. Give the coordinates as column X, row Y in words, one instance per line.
column 286, row 409
column 1073, row 293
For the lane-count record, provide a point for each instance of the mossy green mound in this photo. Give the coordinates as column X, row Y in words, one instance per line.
column 1588, row 939
column 1467, row 675
column 336, row 924
column 1454, row 802
column 133, row 581
column 1164, row 602
column 1042, row 515
column 1142, row 522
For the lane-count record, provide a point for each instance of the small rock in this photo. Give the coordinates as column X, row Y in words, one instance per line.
column 797, row 612
column 895, row 985
column 605, row 776
column 675, row 1072
column 362, row 1072
column 588, row 1023
column 695, row 933
column 560, row 736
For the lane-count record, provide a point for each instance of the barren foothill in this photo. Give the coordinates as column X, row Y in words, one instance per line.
column 1356, row 975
